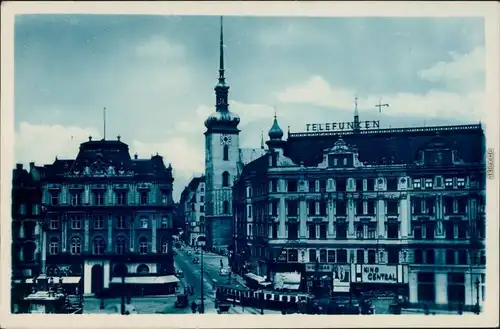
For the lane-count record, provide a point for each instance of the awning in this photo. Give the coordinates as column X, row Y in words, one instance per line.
column 258, row 278
column 287, row 280
column 147, row 279
column 65, row 279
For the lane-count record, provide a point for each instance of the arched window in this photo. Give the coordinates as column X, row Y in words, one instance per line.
column 54, row 246
column 225, row 179
column 120, row 245
column 120, row 269
column 76, row 246
column 225, row 207
column 98, row 246
column 143, row 245
column 225, row 153
column 143, row 269
column 164, row 246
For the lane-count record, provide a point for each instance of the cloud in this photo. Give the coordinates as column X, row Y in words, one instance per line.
column 464, row 96
column 32, row 142
column 462, row 72
column 160, row 48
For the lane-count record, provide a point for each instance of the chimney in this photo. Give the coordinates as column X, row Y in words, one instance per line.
column 135, row 156
column 32, row 165
column 19, row 166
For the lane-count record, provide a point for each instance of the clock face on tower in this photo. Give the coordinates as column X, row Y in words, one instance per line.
column 225, row 139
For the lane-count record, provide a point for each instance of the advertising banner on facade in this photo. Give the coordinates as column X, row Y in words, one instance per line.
column 313, row 267
column 379, row 274
column 341, row 278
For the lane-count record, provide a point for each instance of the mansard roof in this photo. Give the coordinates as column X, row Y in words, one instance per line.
column 401, row 145
column 256, row 167
column 107, row 158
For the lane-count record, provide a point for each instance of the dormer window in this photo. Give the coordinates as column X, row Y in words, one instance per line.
column 417, row 183
column 428, row 183
column 460, row 182
column 345, row 161
column 448, row 182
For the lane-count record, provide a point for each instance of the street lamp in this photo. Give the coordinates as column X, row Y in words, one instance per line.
column 202, row 305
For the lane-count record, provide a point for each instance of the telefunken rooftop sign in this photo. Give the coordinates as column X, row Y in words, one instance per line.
column 336, row 126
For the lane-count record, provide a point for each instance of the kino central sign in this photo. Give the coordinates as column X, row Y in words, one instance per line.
column 335, row 126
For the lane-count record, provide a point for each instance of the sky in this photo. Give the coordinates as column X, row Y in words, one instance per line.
column 155, row 75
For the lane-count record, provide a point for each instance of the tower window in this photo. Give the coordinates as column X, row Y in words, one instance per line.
column 225, row 179
column 226, row 153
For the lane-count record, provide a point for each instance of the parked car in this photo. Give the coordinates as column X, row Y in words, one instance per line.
column 189, row 253
column 197, row 252
column 179, row 273
column 196, row 260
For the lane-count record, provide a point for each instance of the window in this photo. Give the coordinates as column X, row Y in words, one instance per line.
column 144, row 222
column 99, row 198
column 456, row 288
column 340, row 208
column 392, row 184
column 225, row 152
column 360, row 231
column 322, row 185
column 417, row 231
column 291, row 185
column 370, row 184
column 121, row 222
column 54, row 198
column 418, row 256
column 448, row 182
column 75, row 199
column 120, row 245
column 35, row 209
column 54, row 246
column 292, row 207
column 144, row 198
column 462, row 230
column 392, row 256
column 121, row 198
column 449, row 230
column 425, row 287
column 430, row 228
column 164, row 246
column 461, row 182
column 331, row 256
column 359, row 207
column 225, row 207
column 392, row 230
column 202, row 208
column 461, row 205
column 76, row 223
column 341, row 230
column 372, row 229
column 360, row 256
column 342, row 256
column 372, row 256
column 292, row 231
column 322, row 231
column 225, row 179
column 312, row 255
column 341, row 185
column 98, row 222
column 293, row 255
column 143, row 269
column 202, row 198
column 322, row 255
column 462, row 257
column 143, row 245
column 312, row 207
column 54, row 223
column 76, row 246
column 345, row 161
column 429, row 206
column 417, row 183
column 164, row 221
column 312, row 231
column 429, row 183
column 98, row 246
column 392, row 207
column 164, row 198
column 359, row 185
column 429, row 256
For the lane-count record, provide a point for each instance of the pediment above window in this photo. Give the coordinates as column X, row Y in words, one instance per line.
column 438, row 152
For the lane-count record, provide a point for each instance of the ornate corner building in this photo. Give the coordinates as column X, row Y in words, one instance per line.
column 192, row 206
column 105, row 214
column 399, row 210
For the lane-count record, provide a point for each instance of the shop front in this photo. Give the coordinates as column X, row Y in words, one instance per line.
column 319, row 279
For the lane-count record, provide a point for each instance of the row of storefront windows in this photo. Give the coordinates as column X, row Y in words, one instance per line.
column 455, row 287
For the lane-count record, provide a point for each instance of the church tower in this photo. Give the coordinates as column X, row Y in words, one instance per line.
column 221, row 159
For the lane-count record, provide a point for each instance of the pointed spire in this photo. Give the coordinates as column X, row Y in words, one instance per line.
column 356, row 115
column 262, row 139
column 221, row 54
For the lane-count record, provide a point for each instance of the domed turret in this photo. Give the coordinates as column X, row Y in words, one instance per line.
column 275, row 133
column 225, row 118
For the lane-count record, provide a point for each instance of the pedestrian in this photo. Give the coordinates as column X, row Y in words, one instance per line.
column 194, row 306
